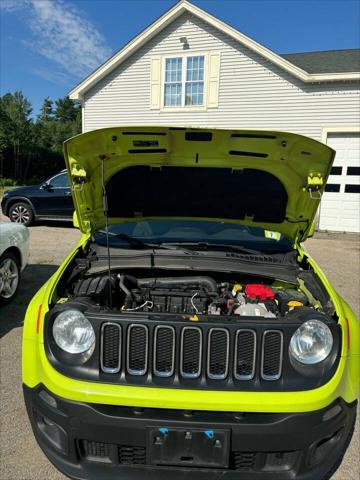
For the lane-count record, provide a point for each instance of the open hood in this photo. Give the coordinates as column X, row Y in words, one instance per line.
column 271, row 180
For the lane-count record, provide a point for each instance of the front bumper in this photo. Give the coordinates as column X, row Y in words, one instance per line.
column 91, row 441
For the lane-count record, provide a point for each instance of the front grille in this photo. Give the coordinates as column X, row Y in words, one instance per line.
column 186, row 355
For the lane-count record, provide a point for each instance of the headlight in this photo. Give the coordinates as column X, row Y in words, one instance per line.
column 311, row 343
column 73, row 332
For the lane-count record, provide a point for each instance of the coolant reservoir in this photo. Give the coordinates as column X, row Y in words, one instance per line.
column 254, row 310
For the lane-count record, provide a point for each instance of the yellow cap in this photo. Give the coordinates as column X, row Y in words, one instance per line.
column 194, row 318
column 236, row 288
column 295, row 303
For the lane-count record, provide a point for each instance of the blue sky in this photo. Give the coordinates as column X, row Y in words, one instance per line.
column 48, row 46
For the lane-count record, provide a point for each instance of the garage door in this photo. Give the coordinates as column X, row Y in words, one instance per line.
column 340, row 204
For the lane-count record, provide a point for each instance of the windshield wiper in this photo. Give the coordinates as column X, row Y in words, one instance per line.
column 222, row 246
column 137, row 243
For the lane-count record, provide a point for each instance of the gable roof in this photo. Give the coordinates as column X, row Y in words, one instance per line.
column 298, row 70
column 330, row 61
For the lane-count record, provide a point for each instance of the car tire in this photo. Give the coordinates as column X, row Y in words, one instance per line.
column 21, row 212
column 9, row 277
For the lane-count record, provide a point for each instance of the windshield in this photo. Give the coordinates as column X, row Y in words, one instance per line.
column 194, row 232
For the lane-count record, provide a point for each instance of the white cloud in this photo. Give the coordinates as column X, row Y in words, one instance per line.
column 53, row 76
column 12, row 5
column 62, row 34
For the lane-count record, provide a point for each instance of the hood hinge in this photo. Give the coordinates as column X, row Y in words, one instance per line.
column 314, row 184
column 79, row 176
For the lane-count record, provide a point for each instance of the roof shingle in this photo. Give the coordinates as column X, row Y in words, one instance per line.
column 330, row 61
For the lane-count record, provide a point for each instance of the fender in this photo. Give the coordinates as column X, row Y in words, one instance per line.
column 8, row 202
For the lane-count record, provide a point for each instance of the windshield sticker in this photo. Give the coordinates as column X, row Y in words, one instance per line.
column 272, row 235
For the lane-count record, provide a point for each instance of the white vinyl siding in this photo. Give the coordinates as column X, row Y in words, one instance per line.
column 243, row 90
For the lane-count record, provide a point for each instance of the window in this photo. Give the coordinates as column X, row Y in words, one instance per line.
column 184, row 81
column 60, row 181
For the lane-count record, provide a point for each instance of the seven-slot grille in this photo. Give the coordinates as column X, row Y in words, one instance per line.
column 194, row 351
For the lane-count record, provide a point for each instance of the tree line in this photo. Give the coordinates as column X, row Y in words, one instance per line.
column 31, row 148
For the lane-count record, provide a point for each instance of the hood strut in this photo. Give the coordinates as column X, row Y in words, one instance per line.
column 105, row 205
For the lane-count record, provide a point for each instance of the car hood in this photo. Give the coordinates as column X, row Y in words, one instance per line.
column 18, row 191
column 272, row 180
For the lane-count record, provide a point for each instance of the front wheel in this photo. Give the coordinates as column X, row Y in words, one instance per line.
column 9, row 277
column 21, row 213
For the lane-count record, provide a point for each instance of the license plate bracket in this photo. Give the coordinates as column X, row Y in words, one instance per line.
column 188, row 447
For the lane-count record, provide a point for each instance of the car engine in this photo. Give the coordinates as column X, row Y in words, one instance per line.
column 189, row 295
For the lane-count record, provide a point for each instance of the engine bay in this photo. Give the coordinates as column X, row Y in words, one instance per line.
column 193, row 294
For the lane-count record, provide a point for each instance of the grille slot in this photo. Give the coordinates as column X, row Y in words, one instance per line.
column 164, row 351
column 129, row 455
column 244, row 461
column 218, row 353
column 110, row 356
column 245, row 354
column 137, row 349
column 191, row 352
column 95, row 450
column 272, row 353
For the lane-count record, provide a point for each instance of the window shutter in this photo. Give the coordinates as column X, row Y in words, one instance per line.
column 213, row 79
column 155, row 82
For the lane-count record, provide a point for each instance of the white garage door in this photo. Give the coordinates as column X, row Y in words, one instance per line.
column 340, row 204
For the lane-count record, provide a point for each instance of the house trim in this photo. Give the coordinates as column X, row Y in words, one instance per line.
column 185, row 108
column 171, row 15
column 327, row 130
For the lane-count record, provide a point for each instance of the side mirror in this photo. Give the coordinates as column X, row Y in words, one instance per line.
column 75, row 220
column 46, row 186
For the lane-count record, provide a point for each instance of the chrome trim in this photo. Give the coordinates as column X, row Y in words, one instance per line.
column 106, row 369
column 244, row 377
column 278, row 375
column 159, row 373
column 130, row 370
column 182, row 373
column 224, row 375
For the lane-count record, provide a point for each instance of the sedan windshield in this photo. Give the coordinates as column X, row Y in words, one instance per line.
column 194, row 233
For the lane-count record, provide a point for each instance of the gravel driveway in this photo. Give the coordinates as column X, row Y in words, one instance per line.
column 21, row 458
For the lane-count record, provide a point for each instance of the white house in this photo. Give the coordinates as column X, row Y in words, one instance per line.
column 189, row 68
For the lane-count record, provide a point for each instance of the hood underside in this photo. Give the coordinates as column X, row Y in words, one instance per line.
column 271, row 180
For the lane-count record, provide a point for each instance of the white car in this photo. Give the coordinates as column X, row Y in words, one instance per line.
column 14, row 255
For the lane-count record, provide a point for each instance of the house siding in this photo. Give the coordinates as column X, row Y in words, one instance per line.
column 253, row 93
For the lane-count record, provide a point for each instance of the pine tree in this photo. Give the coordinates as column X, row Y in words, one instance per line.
column 46, row 111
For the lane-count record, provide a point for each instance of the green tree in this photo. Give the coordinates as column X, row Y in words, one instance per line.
column 66, row 110
column 46, row 111
column 31, row 148
column 16, row 109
